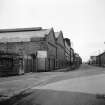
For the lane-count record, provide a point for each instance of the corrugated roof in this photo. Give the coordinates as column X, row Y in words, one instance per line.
column 24, row 36
column 20, row 29
column 15, row 39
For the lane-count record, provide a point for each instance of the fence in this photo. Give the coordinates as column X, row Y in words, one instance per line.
column 50, row 64
column 45, row 64
column 30, row 63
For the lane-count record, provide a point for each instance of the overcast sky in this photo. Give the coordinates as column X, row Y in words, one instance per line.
column 83, row 21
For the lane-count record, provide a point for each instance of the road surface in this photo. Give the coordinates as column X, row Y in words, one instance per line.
column 84, row 86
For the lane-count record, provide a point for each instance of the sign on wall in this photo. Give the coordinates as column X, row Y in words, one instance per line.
column 42, row 54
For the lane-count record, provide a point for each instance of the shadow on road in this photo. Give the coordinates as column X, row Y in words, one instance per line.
column 52, row 97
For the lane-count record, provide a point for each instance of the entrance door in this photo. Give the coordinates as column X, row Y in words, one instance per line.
column 41, row 60
column 21, row 68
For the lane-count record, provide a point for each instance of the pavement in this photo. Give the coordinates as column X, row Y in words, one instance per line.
column 84, row 86
column 10, row 86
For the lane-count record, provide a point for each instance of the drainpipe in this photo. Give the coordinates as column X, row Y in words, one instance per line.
column 70, row 56
column 7, row 47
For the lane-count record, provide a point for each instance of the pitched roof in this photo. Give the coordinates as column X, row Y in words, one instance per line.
column 26, row 35
column 67, row 41
column 101, row 54
column 20, row 29
column 41, row 33
column 57, row 34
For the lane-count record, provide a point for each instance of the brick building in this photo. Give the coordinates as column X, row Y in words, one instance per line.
column 72, row 55
column 30, row 43
column 38, row 49
column 67, row 50
column 60, row 49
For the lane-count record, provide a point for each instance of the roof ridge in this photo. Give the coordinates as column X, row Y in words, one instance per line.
column 20, row 29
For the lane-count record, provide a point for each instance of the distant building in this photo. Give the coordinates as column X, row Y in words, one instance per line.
column 100, row 59
column 93, row 58
column 77, row 59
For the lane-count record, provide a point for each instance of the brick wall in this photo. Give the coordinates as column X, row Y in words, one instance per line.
column 23, row 47
column 102, row 59
column 60, row 56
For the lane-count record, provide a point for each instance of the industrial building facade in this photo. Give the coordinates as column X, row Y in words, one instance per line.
column 38, row 49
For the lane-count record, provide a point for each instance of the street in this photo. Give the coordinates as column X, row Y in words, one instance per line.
column 83, row 86
column 52, row 52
